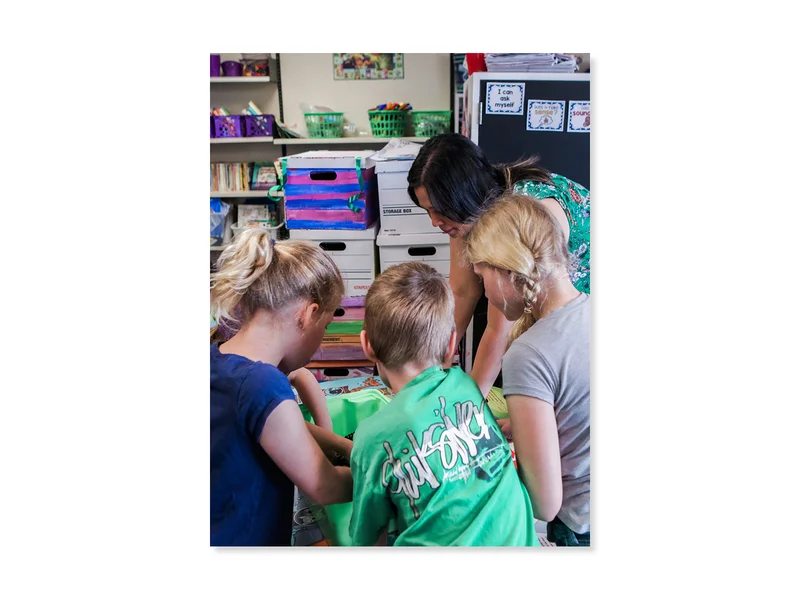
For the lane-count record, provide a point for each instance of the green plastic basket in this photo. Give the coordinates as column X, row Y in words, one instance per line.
column 388, row 123
column 325, row 125
column 428, row 123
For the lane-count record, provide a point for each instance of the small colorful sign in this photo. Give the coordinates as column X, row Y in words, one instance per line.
column 545, row 115
column 505, row 98
column 579, row 113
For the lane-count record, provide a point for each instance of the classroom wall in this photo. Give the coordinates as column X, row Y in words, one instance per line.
column 309, row 78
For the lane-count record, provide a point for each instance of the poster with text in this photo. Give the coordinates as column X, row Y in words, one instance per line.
column 367, row 66
column 579, row 114
column 505, row 98
column 545, row 115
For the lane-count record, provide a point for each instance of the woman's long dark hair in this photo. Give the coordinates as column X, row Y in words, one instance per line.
column 460, row 182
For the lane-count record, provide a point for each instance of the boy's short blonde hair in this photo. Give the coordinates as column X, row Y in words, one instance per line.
column 409, row 315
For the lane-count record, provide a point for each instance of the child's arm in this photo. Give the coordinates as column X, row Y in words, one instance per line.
column 312, row 396
column 330, row 442
column 538, row 453
column 289, row 443
column 383, row 539
column 491, row 348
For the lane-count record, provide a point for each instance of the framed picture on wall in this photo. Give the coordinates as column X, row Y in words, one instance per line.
column 367, row 66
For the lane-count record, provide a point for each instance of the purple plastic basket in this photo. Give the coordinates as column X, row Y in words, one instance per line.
column 258, row 125
column 212, row 126
column 215, row 65
column 229, row 127
column 231, row 68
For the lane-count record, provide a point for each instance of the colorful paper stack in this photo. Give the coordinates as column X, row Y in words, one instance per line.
column 341, row 356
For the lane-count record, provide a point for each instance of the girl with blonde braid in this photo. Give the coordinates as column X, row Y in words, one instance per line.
column 278, row 297
column 520, row 252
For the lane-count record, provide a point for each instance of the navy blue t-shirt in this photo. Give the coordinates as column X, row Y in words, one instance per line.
column 251, row 498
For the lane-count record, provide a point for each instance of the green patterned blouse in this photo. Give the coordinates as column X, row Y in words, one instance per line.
column 574, row 199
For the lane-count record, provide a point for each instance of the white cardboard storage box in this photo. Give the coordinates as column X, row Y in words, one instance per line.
column 330, row 159
column 430, row 248
column 399, row 214
column 353, row 251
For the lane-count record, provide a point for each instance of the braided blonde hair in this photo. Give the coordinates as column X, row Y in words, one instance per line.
column 518, row 234
column 256, row 272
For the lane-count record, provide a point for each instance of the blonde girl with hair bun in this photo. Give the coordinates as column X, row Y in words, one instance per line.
column 520, row 252
column 278, row 298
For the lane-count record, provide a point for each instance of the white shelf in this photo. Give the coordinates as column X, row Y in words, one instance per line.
column 242, row 140
column 241, row 80
column 249, row 194
column 342, row 140
column 219, row 248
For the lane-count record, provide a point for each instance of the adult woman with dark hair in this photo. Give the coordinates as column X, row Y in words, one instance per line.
column 454, row 182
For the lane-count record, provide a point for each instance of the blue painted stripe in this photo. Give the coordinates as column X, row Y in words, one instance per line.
column 311, row 204
column 304, row 190
column 303, row 224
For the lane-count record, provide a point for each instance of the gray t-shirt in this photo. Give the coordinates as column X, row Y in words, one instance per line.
column 550, row 361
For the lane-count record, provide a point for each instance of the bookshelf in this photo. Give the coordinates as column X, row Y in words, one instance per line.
column 242, row 140
column 248, row 194
column 342, row 140
column 242, row 80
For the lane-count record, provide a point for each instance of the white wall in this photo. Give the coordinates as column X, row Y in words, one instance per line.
column 309, row 78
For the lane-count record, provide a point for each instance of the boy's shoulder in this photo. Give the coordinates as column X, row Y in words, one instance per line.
column 411, row 405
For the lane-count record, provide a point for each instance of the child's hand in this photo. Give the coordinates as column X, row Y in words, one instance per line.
column 505, row 427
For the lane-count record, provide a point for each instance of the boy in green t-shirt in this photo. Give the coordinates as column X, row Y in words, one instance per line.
column 433, row 462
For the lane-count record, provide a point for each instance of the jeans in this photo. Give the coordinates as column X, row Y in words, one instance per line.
column 561, row 535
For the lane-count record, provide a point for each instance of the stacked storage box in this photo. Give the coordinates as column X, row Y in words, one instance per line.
column 399, row 214
column 406, row 231
column 331, row 201
column 352, row 251
column 330, row 190
column 430, row 248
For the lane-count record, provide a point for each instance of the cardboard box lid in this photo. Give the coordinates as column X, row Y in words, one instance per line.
column 394, row 166
column 330, row 159
column 334, row 234
column 412, row 239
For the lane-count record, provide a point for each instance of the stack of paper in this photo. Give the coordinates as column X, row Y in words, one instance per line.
column 397, row 150
column 532, row 63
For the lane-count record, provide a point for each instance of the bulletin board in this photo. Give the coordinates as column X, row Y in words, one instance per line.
column 507, row 137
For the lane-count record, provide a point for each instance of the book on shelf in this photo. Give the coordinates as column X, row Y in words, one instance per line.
column 230, row 177
column 264, row 176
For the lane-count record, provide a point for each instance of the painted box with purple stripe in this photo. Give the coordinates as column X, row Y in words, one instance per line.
column 331, row 190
